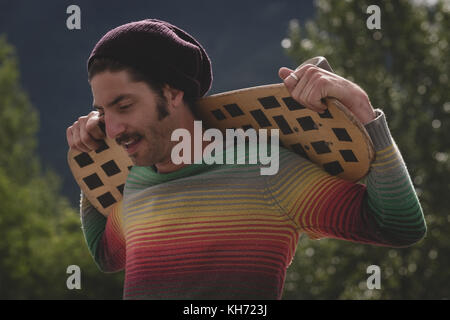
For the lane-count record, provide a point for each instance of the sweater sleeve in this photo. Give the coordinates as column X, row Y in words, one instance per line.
column 384, row 212
column 104, row 236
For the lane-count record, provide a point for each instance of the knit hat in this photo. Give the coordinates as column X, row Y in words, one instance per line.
column 161, row 50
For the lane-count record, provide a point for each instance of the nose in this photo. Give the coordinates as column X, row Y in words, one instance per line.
column 114, row 126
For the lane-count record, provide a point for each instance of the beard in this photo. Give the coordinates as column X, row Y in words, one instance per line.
column 154, row 141
column 154, row 147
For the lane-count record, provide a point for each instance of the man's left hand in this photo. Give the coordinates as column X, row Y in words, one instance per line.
column 314, row 84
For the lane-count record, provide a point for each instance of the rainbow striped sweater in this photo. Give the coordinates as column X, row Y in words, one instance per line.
column 228, row 232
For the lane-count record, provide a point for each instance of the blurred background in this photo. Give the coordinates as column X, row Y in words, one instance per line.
column 403, row 67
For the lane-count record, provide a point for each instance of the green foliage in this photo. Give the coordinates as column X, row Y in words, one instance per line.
column 404, row 68
column 41, row 234
column 18, row 124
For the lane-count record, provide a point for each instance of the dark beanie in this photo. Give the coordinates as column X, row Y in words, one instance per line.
column 160, row 50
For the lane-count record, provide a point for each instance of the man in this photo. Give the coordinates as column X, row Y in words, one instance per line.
column 222, row 231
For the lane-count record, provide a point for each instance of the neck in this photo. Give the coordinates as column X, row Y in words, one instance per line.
column 186, row 121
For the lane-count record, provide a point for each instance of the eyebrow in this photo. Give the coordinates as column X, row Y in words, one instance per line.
column 116, row 100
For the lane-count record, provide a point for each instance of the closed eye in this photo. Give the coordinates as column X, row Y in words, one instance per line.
column 125, row 107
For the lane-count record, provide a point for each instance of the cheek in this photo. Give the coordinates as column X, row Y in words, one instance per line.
column 140, row 125
column 151, row 133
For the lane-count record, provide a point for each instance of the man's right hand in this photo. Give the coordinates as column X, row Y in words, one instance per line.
column 84, row 134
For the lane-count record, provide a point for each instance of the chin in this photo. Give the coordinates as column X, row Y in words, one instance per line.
column 138, row 161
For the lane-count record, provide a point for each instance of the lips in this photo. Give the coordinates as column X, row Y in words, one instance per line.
column 130, row 144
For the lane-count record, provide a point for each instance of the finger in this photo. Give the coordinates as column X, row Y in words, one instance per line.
column 314, row 91
column 70, row 140
column 295, row 77
column 289, row 80
column 299, row 84
column 299, row 89
column 315, row 98
column 69, row 136
column 77, row 142
column 284, row 72
column 88, row 140
column 94, row 130
column 304, row 85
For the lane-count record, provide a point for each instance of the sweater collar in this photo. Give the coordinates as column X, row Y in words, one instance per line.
column 141, row 177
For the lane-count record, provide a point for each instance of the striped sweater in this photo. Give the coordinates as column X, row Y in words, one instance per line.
column 228, row 232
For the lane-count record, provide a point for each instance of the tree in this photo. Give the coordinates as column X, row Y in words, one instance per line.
column 404, row 68
column 40, row 232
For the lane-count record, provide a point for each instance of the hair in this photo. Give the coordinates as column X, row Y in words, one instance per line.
column 99, row 65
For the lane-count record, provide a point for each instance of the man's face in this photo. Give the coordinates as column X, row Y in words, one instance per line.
column 130, row 112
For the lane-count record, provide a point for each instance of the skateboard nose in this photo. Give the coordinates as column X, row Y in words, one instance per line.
column 319, row 61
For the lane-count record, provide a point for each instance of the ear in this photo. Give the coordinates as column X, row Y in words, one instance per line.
column 174, row 96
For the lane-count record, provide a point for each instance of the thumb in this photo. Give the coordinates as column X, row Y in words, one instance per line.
column 284, row 72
